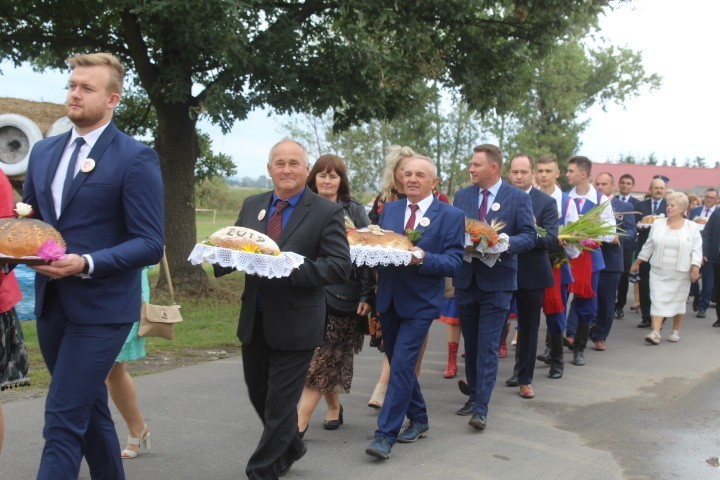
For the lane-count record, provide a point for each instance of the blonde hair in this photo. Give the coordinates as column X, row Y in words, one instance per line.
column 395, row 154
column 678, row 197
column 117, row 70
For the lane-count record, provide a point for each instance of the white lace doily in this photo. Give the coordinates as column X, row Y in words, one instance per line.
column 374, row 256
column 643, row 226
column 270, row 266
column 492, row 254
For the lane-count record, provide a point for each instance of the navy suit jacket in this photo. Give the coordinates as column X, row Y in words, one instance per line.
column 645, row 209
column 634, row 202
column 613, row 252
column 515, row 210
column 416, row 291
column 534, row 267
column 114, row 213
column 711, row 238
column 698, row 211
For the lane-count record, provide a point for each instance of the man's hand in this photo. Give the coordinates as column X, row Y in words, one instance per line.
column 415, row 260
column 363, row 309
column 71, row 264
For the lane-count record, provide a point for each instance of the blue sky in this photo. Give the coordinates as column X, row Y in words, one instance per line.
column 678, row 41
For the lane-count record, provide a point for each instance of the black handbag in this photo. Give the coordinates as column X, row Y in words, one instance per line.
column 342, row 300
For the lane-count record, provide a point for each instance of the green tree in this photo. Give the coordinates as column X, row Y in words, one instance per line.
column 223, row 58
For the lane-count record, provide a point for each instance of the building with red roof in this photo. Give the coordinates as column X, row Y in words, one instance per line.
column 687, row 179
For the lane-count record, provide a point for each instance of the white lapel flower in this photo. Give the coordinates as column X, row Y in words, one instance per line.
column 261, row 215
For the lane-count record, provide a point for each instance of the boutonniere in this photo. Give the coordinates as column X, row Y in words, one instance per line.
column 424, row 222
column 495, row 207
column 23, row 210
column 414, row 235
column 87, row 165
column 261, row 215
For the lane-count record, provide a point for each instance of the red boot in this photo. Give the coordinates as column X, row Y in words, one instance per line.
column 502, row 351
column 451, row 369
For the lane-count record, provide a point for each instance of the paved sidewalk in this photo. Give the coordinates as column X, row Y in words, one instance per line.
column 633, row 412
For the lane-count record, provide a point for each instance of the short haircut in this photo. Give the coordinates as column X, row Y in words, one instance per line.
column 433, row 166
column 492, row 152
column 288, row 140
column 612, row 179
column 547, row 158
column 583, row 163
column 678, row 197
column 628, row 176
column 711, row 189
column 529, row 157
column 331, row 163
column 117, row 70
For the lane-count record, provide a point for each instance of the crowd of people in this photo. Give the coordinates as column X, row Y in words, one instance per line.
column 300, row 333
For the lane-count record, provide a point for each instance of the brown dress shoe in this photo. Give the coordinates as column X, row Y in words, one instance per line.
column 600, row 345
column 526, row 391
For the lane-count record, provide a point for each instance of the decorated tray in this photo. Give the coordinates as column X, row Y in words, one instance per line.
column 269, row 266
column 374, row 256
column 23, row 260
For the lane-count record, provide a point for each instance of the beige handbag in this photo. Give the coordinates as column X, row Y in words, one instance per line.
column 160, row 320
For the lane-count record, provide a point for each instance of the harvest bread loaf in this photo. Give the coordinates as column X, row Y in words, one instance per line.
column 374, row 236
column 23, row 237
column 649, row 218
column 246, row 239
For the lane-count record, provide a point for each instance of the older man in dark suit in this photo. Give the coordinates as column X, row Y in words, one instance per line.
column 103, row 192
column 702, row 296
column 484, row 293
column 654, row 205
column 282, row 320
column 534, row 274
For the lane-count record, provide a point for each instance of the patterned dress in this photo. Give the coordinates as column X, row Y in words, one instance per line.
column 13, row 356
column 134, row 347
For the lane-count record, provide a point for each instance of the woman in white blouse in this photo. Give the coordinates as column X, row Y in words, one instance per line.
column 674, row 250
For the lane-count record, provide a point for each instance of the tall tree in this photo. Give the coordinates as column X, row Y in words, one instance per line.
column 223, row 58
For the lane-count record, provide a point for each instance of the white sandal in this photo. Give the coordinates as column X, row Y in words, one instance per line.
column 144, row 439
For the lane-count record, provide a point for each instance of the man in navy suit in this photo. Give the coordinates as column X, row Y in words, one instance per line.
column 702, row 301
column 613, row 258
column 626, row 183
column 483, row 293
column 409, row 298
column 654, row 205
column 111, row 217
column 711, row 255
column 534, row 273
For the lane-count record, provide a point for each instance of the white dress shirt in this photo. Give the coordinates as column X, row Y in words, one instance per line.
column 423, row 206
column 607, row 215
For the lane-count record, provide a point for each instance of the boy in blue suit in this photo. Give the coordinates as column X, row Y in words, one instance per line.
column 409, row 297
column 483, row 293
column 102, row 190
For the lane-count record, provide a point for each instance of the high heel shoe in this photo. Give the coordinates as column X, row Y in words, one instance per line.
column 143, row 440
column 301, row 433
column 334, row 424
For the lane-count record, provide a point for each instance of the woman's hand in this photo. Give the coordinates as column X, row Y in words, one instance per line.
column 634, row 268
column 694, row 273
column 363, row 309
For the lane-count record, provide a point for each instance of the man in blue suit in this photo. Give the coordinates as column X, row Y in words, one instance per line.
column 111, row 217
column 409, row 297
column 613, row 257
column 655, row 205
column 534, row 274
column 702, row 296
column 710, row 237
column 626, row 183
column 483, row 293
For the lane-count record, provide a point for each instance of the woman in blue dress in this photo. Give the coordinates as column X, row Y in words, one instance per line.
column 122, row 387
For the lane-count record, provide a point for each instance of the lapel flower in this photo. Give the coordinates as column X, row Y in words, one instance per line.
column 87, row 165
column 414, row 234
column 23, row 210
column 495, row 207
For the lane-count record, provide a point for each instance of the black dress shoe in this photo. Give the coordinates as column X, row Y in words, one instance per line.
column 466, row 409
column 463, row 387
column 643, row 324
column 286, row 460
column 512, row 381
column 696, row 303
column 301, row 434
column 701, row 313
column 717, row 323
column 619, row 313
column 478, row 422
column 333, row 424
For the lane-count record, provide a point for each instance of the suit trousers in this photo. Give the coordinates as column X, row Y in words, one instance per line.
column 529, row 304
column 403, row 338
column 482, row 318
column 707, row 273
column 77, row 418
column 716, row 288
column 624, row 284
column 275, row 381
column 583, row 310
column 557, row 322
column 645, row 291
column 607, row 290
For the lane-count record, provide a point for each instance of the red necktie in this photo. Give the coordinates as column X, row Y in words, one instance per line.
column 274, row 225
column 579, row 202
column 482, row 211
column 411, row 221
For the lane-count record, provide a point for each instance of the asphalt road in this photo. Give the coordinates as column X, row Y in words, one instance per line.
column 633, row 412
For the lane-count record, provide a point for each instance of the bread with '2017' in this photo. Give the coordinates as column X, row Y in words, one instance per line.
column 243, row 238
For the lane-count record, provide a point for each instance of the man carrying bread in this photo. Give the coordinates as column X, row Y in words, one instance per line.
column 282, row 320
column 409, row 297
